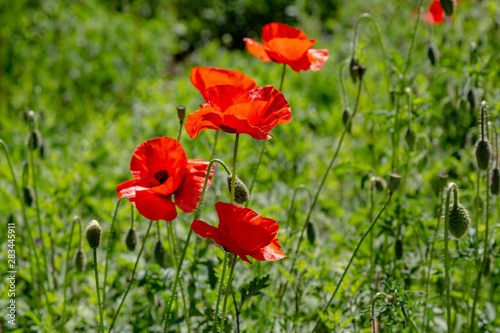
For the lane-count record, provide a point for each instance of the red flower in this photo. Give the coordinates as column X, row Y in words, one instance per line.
column 206, row 77
column 286, row 45
column 160, row 168
column 236, row 110
column 435, row 13
column 244, row 232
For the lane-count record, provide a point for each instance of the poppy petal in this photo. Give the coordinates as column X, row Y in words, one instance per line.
column 188, row 194
column 207, row 231
column 206, row 77
column 221, row 97
column 206, row 118
column 236, row 123
column 257, row 49
column 314, row 60
column 271, row 107
column 160, row 161
column 280, row 30
column 126, row 189
column 155, row 207
column 286, row 50
column 272, row 252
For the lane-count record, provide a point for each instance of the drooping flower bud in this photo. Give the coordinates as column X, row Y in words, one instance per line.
column 410, row 138
column 29, row 195
column 80, row 261
column 495, row 181
column 346, row 114
column 93, row 232
column 433, row 53
column 181, row 112
column 448, row 6
column 361, row 71
column 483, row 154
column 131, row 239
column 353, row 68
column 241, row 193
column 160, row 254
column 379, row 183
column 458, row 220
column 34, row 139
column 394, row 181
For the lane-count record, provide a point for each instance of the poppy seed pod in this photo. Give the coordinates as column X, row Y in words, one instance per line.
column 29, row 195
column 353, row 68
column 160, row 254
column 131, row 239
column 181, row 112
column 241, row 193
column 93, row 232
column 410, row 138
column 34, row 139
column 483, row 154
column 495, row 181
column 394, row 181
column 80, row 261
column 458, row 220
column 379, row 183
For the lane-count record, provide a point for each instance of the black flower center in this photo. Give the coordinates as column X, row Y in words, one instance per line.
column 161, row 176
column 227, row 129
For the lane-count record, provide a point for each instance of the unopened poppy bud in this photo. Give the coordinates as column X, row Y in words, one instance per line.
column 31, row 119
column 471, row 97
column 131, row 239
column 433, row 54
column 29, row 195
column 80, row 261
column 361, row 71
column 495, row 181
column 160, row 254
column 241, row 193
column 483, row 154
column 34, row 139
column 458, row 220
column 410, row 138
column 353, row 68
column 443, row 180
column 448, row 6
column 181, row 112
column 379, row 183
column 93, row 232
column 394, row 181
column 346, row 114
column 398, row 249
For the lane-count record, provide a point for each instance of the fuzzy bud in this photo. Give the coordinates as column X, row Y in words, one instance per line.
column 93, row 232
column 353, row 68
column 448, row 6
column 181, row 112
column 34, row 139
column 241, row 193
column 433, row 54
column 160, row 254
column 80, row 261
column 483, row 154
column 379, row 183
column 458, row 220
column 495, row 181
column 394, row 181
column 410, row 138
column 443, row 180
column 131, row 239
column 346, row 114
column 29, row 195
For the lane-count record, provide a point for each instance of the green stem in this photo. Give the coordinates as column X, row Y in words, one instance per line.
column 65, row 287
column 352, row 258
column 372, row 258
column 485, row 255
column 221, row 287
column 180, row 130
column 132, row 277
column 101, row 327
column 282, row 77
column 233, row 259
column 166, row 313
column 108, row 249
column 374, row 319
column 235, row 154
column 30, row 236
column 343, row 94
column 215, row 145
column 451, row 187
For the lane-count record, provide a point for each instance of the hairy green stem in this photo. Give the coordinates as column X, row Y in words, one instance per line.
column 325, row 309
column 65, row 286
column 108, row 249
column 101, row 317
column 451, row 187
column 233, row 260
column 132, row 277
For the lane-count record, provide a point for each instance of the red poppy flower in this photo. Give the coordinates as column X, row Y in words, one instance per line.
column 244, row 232
column 236, row 110
column 286, row 45
column 160, row 168
column 206, row 77
column 435, row 13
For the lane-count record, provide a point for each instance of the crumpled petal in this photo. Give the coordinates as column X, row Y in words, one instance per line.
column 206, row 118
column 315, row 60
column 272, row 252
column 188, row 194
column 280, row 30
column 257, row 50
column 155, row 207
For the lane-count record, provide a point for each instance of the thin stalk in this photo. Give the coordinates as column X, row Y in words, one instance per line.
column 282, row 77
column 101, row 317
column 180, row 130
column 374, row 319
column 234, row 259
column 372, row 258
column 166, row 313
column 30, row 236
column 451, row 187
column 352, row 258
column 215, row 145
column 132, row 277
column 108, row 249
column 477, row 208
column 65, row 287
column 221, row 287
column 343, row 94
column 485, row 255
